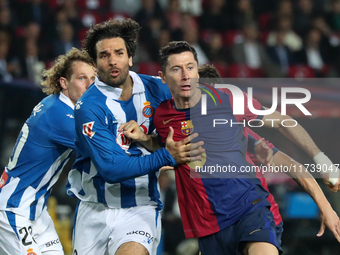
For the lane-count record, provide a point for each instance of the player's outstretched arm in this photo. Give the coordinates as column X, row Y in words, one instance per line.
column 300, row 137
column 327, row 215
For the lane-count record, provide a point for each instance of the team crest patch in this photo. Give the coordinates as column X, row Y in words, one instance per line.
column 147, row 110
column 186, row 127
column 88, row 129
column 30, row 252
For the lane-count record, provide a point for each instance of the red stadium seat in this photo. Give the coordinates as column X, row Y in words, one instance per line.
column 300, row 71
column 149, row 68
column 264, row 21
column 54, row 4
column 243, row 71
column 89, row 17
column 221, row 68
column 232, row 37
column 81, row 34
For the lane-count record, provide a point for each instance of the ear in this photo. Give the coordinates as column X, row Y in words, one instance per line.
column 63, row 83
column 161, row 74
column 130, row 61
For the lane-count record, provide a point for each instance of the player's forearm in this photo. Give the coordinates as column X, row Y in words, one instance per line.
column 122, row 168
column 304, row 179
column 296, row 134
column 150, row 142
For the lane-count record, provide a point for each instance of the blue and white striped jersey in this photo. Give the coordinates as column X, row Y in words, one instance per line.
column 109, row 168
column 42, row 149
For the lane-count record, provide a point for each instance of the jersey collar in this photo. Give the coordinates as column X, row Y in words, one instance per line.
column 138, row 87
column 66, row 100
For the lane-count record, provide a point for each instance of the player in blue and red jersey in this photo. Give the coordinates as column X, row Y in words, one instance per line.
column 229, row 211
column 329, row 218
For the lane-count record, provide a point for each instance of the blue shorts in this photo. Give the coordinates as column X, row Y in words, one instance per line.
column 255, row 226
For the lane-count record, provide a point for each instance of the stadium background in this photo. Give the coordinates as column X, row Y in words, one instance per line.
column 34, row 32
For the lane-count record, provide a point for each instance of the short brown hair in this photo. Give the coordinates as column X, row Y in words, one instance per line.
column 127, row 29
column 62, row 67
column 174, row 47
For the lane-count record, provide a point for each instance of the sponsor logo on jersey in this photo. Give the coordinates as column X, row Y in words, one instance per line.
column 31, row 252
column 51, row 243
column 78, row 104
column 3, row 179
column 123, row 141
column 142, row 233
column 88, row 129
column 147, row 110
column 167, row 121
column 70, row 115
column 186, row 127
column 37, row 109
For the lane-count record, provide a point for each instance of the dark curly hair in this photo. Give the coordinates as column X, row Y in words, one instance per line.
column 174, row 47
column 127, row 29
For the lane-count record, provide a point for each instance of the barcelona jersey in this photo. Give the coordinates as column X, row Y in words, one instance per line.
column 210, row 202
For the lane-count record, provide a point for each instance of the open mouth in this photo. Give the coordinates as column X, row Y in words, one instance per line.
column 115, row 72
column 186, row 87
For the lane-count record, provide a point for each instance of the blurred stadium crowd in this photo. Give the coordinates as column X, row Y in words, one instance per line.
column 242, row 38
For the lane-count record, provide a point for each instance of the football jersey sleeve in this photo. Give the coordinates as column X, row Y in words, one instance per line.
column 62, row 130
column 95, row 140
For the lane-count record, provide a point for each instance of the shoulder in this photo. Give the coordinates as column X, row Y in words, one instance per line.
column 155, row 86
column 164, row 106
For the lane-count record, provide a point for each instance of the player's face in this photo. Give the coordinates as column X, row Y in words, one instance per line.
column 82, row 77
column 180, row 69
column 113, row 62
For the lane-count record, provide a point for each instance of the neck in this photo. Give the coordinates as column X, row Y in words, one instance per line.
column 185, row 103
column 127, row 88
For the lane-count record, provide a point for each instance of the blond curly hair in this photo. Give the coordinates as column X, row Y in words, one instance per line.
column 62, row 67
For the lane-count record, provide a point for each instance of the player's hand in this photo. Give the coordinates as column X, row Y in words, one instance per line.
column 133, row 131
column 180, row 151
column 264, row 154
column 334, row 188
column 330, row 219
column 166, row 168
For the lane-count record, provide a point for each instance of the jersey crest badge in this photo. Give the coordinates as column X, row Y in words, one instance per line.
column 30, row 252
column 88, row 129
column 186, row 127
column 147, row 110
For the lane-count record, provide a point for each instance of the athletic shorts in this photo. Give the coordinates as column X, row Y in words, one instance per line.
column 102, row 230
column 255, row 226
column 19, row 235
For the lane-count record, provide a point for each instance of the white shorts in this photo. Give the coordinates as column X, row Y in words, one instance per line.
column 19, row 235
column 102, row 230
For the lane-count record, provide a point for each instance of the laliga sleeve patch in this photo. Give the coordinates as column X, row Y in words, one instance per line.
column 88, row 129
